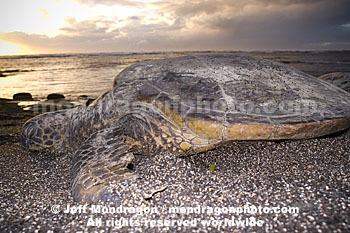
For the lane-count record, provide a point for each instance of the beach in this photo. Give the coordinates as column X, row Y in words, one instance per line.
column 244, row 186
column 311, row 175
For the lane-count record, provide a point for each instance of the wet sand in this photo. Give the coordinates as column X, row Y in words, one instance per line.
column 311, row 176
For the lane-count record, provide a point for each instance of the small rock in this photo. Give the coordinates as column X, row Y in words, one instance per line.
column 11, row 71
column 83, row 97
column 89, row 101
column 22, row 96
column 6, row 73
column 2, row 100
column 10, row 108
column 55, row 96
column 339, row 79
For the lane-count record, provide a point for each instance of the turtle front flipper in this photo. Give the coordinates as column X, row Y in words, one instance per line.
column 101, row 161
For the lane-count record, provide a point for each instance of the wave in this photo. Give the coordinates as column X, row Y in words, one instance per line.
column 65, row 55
column 87, row 54
column 313, row 62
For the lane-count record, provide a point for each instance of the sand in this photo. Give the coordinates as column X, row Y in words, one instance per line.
column 306, row 181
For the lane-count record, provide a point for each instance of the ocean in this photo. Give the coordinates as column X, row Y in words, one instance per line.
column 74, row 75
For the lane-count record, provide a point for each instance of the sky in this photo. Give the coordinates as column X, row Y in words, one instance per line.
column 83, row 26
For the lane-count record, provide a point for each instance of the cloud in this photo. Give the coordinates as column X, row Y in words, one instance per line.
column 208, row 24
column 268, row 24
column 89, row 28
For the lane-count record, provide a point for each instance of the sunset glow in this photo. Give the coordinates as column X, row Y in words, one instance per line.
column 9, row 49
column 56, row 26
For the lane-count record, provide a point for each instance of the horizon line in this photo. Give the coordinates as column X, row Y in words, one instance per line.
column 170, row 51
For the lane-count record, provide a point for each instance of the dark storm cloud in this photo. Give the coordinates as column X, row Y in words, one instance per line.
column 207, row 24
column 278, row 24
column 294, row 27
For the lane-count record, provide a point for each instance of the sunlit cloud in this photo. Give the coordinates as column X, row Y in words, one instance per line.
column 148, row 25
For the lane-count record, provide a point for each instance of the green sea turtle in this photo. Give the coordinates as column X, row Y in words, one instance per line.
column 183, row 106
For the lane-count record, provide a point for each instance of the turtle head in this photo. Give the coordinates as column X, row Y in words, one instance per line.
column 43, row 131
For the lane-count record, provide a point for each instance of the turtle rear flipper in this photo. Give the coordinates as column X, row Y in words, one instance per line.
column 101, row 161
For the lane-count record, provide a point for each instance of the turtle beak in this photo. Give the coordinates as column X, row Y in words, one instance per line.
column 24, row 140
column 28, row 131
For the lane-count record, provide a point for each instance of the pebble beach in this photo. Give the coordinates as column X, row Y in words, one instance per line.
column 308, row 179
column 244, row 186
